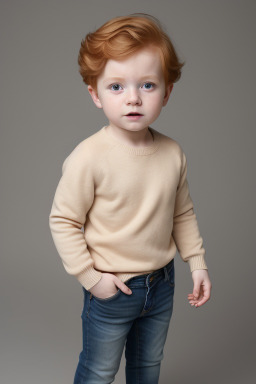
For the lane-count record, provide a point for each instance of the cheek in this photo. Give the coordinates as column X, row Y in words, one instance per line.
column 105, row 101
column 109, row 106
column 110, row 100
column 156, row 103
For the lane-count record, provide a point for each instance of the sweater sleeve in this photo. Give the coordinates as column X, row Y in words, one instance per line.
column 73, row 198
column 185, row 227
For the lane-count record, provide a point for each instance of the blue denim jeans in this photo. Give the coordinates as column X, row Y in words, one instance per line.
column 138, row 322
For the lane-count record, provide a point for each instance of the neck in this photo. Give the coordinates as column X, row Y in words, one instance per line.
column 133, row 138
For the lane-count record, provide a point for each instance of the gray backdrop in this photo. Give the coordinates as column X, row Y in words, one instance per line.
column 46, row 111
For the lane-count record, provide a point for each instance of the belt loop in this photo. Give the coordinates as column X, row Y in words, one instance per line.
column 166, row 277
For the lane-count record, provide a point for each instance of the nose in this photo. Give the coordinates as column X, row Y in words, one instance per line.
column 133, row 97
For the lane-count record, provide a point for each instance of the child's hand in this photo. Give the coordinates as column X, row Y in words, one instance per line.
column 202, row 288
column 108, row 286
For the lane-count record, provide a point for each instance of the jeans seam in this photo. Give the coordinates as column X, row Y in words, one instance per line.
column 172, row 285
column 87, row 319
column 87, row 344
column 89, row 306
column 137, row 353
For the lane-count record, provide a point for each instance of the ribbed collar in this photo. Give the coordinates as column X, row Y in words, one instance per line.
column 143, row 150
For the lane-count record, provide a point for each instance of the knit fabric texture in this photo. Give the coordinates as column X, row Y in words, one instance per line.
column 124, row 209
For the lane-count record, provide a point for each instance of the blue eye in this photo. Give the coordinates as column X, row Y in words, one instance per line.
column 115, row 87
column 148, row 85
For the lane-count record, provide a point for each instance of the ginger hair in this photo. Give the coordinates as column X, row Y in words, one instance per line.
column 121, row 37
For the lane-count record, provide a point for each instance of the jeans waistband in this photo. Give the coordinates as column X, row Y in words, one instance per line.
column 145, row 280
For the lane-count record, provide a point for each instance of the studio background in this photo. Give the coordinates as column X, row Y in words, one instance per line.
column 46, row 111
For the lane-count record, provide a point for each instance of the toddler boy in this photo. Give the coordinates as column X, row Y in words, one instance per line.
column 126, row 187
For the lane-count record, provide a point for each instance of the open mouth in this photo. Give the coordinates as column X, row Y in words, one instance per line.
column 134, row 114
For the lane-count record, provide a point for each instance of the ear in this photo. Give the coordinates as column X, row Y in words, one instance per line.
column 94, row 96
column 167, row 93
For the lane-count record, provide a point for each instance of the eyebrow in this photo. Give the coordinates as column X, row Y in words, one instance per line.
column 117, row 79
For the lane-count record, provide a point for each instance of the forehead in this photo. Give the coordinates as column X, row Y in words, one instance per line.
column 142, row 63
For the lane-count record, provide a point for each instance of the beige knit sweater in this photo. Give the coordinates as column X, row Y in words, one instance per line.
column 123, row 209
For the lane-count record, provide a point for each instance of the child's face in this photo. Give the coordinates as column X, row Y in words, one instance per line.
column 132, row 91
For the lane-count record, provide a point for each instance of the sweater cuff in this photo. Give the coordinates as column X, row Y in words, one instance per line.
column 89, row 278
column 197, row 262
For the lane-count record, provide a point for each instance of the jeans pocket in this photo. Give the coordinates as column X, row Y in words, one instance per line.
column 110, row 298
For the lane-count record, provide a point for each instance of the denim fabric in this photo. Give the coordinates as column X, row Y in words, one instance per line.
column 138, row 322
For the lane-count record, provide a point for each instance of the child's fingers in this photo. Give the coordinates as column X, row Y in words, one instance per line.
column 193, row 301
column 122, row 286
column 205, row 298
column 201, row 302
column 192, row 297
column 196, row 289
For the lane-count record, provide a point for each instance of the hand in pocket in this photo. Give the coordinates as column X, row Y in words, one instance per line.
column 108, row 286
